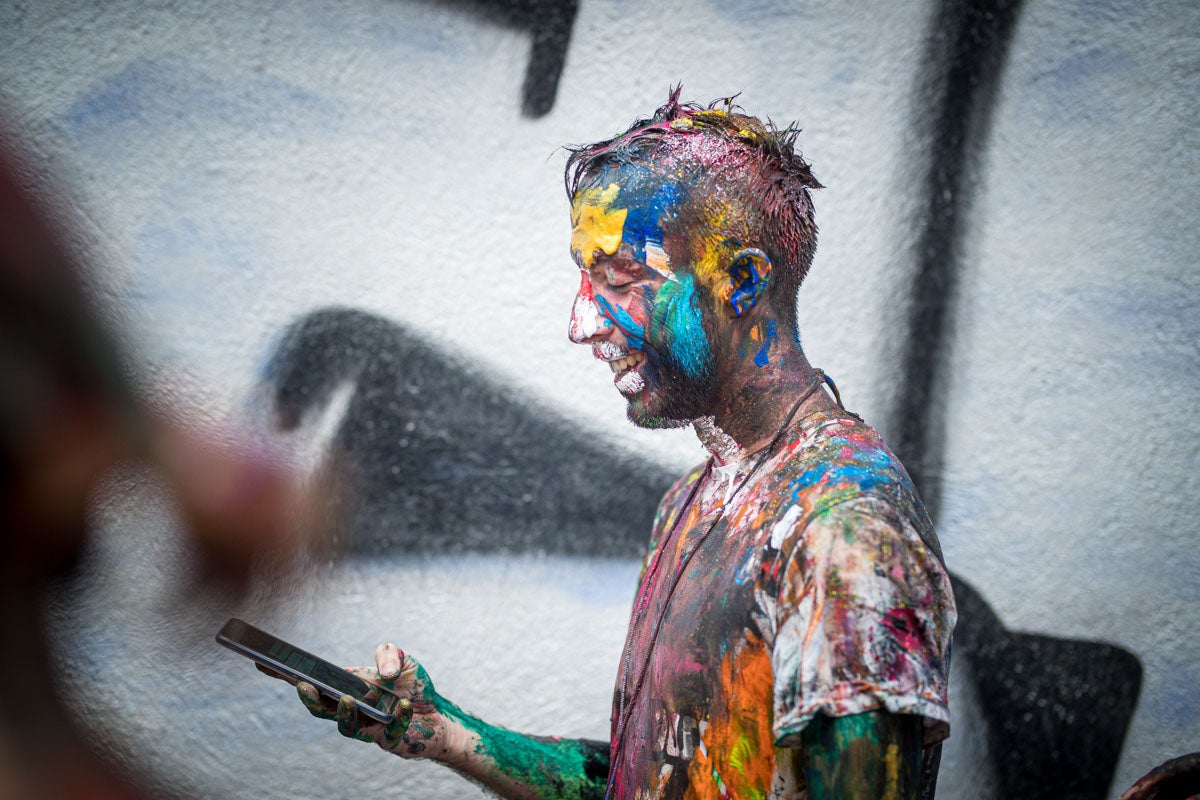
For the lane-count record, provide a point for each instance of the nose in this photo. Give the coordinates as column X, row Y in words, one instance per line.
column 587, row 323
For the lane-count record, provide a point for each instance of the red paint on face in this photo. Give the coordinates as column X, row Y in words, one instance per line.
column 586, row 319
column 611, row 312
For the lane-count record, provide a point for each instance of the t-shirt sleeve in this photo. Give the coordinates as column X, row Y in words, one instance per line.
column 864, row 614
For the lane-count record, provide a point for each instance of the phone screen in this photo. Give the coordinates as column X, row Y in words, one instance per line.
column 289, row 660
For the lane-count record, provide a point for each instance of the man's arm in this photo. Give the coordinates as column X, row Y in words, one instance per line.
column 867, row 756
column 513, row 765
column 865, row 611
column 518, row 765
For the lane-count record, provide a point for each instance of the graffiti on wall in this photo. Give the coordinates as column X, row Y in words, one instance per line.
column 966, row 49
column 548, row 23
column 496, row 471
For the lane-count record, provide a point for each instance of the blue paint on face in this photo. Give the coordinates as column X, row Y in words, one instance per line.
column 646, row 206
column 635, row 334
column 677, row 314
column 762, row 357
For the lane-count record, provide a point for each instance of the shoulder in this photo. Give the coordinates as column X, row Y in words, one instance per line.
column 835, row 468
column 839, row 464
column 835, row 456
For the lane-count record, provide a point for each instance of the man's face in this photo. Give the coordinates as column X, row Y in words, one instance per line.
column 639, row 304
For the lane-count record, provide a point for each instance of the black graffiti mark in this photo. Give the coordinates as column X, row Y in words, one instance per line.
column 1056, row 710
column 549, row 24
column 432, row 456
column 965, row 54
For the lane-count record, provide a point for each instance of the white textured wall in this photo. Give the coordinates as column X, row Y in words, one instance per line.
column 1073, row 464
column 238, row 164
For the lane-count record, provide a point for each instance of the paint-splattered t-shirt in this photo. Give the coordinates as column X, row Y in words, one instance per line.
column 820, row 590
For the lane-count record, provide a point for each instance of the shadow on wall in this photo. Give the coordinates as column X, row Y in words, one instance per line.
column 431, row 456
column 1056, row 710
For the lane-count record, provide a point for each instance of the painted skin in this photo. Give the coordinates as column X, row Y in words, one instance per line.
column 641, row 315
column 669, row 285
column 841, row 757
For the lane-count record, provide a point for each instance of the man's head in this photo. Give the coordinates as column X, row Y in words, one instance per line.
column 683, row 226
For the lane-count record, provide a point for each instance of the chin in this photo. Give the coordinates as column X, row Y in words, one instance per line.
column 639, row 416
column 674, row 405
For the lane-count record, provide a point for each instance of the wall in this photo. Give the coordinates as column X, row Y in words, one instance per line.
column 342, row 224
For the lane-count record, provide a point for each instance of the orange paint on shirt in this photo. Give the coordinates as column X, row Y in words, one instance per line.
column 738, row 757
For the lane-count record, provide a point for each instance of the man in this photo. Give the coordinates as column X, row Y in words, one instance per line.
column 790, row 636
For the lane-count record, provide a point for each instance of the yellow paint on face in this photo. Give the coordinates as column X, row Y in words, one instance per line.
column 711, row 250
column 596, row 225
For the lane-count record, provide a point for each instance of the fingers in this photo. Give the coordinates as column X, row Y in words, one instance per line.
column 347, row 719
column 312, row 700
column 388, row 661
column 350, row 722
column 393, row 732
column 345, row 711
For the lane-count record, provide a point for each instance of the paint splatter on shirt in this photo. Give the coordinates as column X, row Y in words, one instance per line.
column 820, row 590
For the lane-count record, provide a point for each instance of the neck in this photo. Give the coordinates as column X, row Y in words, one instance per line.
column 758, row 387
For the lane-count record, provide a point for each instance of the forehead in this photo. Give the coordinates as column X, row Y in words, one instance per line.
column 630, row 205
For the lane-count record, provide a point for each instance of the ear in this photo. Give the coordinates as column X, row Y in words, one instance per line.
column 748, row 272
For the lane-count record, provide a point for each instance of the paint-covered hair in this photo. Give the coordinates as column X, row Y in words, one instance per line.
column 755, row 162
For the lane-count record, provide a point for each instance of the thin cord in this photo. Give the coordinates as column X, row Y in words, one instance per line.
column 833, row 386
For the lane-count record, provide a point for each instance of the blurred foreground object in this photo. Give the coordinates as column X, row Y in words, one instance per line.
column 68, row 414
column 1177, row 779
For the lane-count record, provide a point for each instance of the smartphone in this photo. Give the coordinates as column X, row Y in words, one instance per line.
column 291, row 662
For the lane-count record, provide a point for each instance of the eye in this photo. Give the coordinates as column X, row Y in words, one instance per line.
column 617, row 278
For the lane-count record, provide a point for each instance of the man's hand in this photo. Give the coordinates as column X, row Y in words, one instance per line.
column 513, row 765
column 419, row 729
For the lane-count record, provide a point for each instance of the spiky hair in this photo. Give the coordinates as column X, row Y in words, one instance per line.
column 753, row 158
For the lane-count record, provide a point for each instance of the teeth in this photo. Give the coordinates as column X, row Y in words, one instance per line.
column 626, row 362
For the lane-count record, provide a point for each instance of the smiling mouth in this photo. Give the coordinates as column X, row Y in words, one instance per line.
column 625, row 363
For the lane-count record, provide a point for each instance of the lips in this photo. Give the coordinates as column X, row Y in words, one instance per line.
column 628, row 380
column 607, row 351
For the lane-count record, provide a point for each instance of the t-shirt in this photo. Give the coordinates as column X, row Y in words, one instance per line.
column 819, row 589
